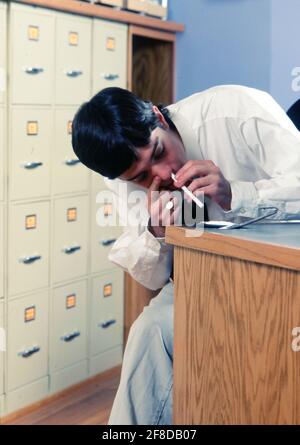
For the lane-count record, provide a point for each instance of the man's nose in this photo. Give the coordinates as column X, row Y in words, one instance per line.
column 163, row 171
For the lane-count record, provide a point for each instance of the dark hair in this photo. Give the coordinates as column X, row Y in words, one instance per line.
column 107, row 130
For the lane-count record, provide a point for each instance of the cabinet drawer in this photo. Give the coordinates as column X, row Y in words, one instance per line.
column 26, row 395
column 2, row 347
column 107, row 311
column 70, row 238
column 2, row 52
column 27, row 352
column 31, row 136
column 105, row 226
column 28, row 247
column 32, row 55
column 69, row 175
column 102, row 241
column 109, row 55
column 105, row 360
column 2, row 147
column 67, row 377
column 104, row 232
column 68, row 325
column 98, row 183
column 73, row 59
column 1, row 251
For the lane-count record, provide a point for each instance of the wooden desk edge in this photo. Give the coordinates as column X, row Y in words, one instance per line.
column 220, row 244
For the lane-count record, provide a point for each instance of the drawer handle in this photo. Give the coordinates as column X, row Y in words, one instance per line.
column 107, row 242
column 72, row 162
column 73, row 73
column 32, row 165
column 33, row 70
column 70, row 250
column 28, row 352
column 30, row 259
column 70, row 337
column 108, row 76
column 106, row 324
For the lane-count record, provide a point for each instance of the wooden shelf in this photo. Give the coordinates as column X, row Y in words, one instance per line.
column 106, row 12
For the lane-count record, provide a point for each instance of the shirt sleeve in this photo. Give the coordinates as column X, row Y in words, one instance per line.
column 275, row 150
column 147, row 259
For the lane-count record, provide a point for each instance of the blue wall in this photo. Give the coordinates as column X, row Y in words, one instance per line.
column 225, row 42
column 248, row 42
column 285, row 51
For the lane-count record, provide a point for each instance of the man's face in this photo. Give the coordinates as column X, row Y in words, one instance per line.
column 164, row 155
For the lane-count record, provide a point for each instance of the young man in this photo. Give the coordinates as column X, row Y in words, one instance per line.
column 233, row 143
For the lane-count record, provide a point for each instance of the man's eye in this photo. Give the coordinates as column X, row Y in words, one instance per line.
column 160, row 152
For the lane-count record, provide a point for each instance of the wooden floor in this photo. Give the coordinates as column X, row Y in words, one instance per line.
column 87, row 404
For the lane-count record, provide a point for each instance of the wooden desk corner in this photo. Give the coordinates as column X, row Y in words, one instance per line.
column 237, row 302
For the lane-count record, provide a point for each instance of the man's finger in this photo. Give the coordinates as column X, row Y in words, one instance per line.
column 157, row 204
column 167, row 213
column 188, row 165
column 155, row 184
column 200, row 182
column 193, row 167
column 154, row 187
column 176, row 218
column 197, row 170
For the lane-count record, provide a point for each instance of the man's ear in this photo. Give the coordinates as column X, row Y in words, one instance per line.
column 162, row 120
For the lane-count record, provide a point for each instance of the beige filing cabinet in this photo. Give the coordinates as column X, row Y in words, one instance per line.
column 68, row 174
column 2, row 352
column 3, row 83
column 28, row 248
column 27, row 350
column 70, row 256
column 2, row 348
column 1, row 251
column 106, row 320
column 109, row 55
column 68, row 335
column 2, row 148
column 32, row 55
column 31, row 144
column 3, row 40
column 61, row 300
column 107, row 312
column 73, row 59
column 27, row 345
column 104, row 228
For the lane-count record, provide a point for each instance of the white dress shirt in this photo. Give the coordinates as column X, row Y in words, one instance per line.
column 256, row 146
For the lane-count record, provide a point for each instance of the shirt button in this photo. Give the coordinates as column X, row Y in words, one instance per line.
column 242, row 210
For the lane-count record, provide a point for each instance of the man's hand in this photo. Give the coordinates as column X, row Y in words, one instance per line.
column 206, row 177
column 159, row 215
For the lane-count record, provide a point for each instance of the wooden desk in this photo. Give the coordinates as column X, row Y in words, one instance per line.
column 237, row 300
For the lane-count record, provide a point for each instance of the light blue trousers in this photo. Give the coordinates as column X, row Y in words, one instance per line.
column 144, row 396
